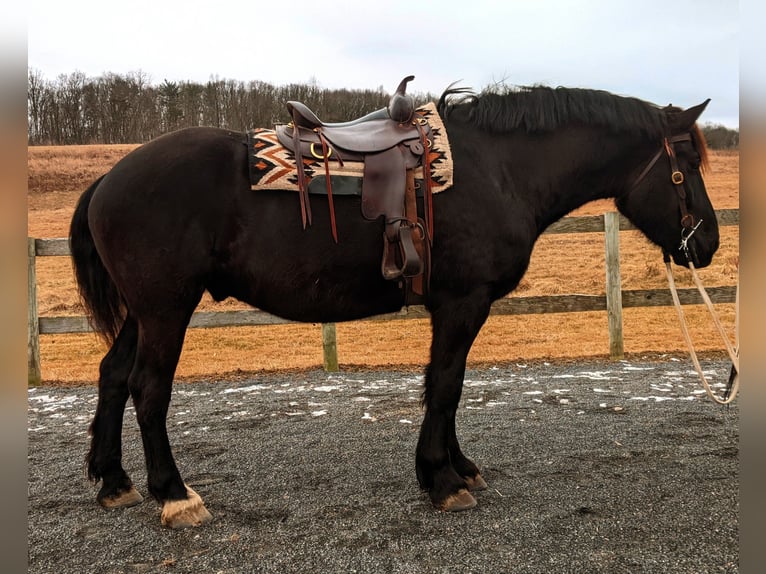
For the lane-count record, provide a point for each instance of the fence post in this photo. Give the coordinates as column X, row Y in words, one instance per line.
column 34, row 376
column 329, row 348
column 613, row 284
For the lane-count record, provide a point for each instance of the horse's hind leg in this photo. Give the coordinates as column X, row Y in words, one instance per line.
column 442, row 468
column 104, row 459
column 159, row 348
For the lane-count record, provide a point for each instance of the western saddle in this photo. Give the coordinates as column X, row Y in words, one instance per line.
column 391, row 142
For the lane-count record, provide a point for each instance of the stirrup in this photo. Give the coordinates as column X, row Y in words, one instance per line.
column 411, row 263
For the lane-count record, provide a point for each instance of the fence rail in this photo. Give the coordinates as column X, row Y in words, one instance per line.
column 613, row 300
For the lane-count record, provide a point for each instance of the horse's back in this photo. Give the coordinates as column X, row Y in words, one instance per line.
column 174, row 171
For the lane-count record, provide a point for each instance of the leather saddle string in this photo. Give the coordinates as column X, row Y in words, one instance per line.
column 331, row 205
column 428, row 206
column 302, row 185
column 419, row 281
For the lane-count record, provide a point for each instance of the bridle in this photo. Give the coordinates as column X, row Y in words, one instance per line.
column 689, row 223
column 688, row 226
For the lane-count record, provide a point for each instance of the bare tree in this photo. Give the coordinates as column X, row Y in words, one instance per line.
column 116, row 108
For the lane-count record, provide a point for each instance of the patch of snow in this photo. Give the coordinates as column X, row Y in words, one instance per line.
column 247, row 389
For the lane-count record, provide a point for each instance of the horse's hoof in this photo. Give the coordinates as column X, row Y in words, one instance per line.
column 476, row 482
column 123, row 499
column 185, row 513
column 461, row 500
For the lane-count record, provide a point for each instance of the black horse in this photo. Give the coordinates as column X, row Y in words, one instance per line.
column 177, row 217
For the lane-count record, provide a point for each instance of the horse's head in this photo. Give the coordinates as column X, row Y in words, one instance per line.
column 668, row 201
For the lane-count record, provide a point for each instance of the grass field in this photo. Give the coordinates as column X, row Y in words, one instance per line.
column 572, row 263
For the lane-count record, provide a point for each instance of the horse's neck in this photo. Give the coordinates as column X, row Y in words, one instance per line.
column 576, row 168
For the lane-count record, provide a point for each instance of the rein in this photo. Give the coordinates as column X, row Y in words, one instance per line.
column 733, row 385
column 688, row 227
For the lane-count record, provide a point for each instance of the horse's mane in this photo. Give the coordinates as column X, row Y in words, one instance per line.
column 700, row 145
column 503, row 108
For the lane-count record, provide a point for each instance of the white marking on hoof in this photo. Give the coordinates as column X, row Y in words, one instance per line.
column 185, row 513
column 476, row 483
column 123, row 500
column 461, row 500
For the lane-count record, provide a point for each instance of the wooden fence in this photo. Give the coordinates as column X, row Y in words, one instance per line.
column 613, row 301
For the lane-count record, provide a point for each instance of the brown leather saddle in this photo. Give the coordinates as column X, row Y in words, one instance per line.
column 391, row 143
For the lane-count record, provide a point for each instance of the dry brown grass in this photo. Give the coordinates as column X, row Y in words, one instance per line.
column 560, row 264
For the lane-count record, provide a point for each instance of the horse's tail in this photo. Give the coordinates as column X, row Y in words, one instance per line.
column 98, row 293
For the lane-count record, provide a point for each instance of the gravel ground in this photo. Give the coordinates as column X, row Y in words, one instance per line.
column 592, row 467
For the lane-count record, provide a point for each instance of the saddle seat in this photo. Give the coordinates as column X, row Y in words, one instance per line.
column 391, row 143
column 372, row 133
column 303, row 117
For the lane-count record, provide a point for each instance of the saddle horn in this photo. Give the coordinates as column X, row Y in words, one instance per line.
column 401, row 107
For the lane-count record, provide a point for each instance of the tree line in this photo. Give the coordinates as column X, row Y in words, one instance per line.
column 720, row 137
column 115, row 108
column 129, row 108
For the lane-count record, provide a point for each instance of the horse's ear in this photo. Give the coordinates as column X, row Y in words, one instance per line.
column 688, row 117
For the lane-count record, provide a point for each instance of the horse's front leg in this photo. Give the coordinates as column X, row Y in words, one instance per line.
column 442, row 469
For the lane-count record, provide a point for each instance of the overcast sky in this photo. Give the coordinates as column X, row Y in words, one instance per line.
column 663, row 51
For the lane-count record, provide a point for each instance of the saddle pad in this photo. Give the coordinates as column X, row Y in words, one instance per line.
column 272, row 166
